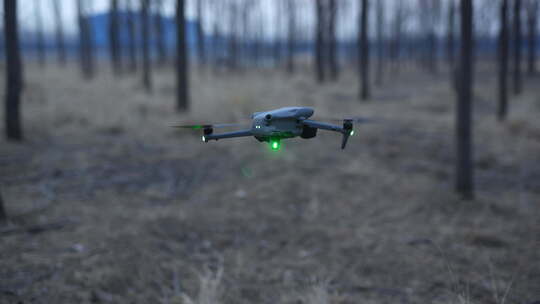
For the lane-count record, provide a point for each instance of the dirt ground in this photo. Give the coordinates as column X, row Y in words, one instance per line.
column 108, row 204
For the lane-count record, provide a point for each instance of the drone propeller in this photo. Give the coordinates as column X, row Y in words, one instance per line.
column 206, row 126
column 359, row 120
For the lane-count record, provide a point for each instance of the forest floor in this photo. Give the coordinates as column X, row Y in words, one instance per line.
column 108, row 204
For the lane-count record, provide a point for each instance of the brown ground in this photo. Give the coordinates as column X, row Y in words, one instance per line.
column 109, row 204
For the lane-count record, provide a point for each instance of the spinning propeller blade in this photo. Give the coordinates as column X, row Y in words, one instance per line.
column 206, row 126
column 359, row 120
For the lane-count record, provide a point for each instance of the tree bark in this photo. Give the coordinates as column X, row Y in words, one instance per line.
column 147, row 80
column 364, row 51
column 182, row 85
column 13, row 73
column 518, row 85
column 319, row 43
column 532, row 21
column 132, row 41
column 59, row 33
column 503, row 63
column 464, row 171
column 114, row 39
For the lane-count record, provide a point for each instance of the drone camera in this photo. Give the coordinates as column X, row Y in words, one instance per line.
column 268, row 117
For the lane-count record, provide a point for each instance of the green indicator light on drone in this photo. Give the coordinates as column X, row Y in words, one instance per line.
column 204, row 138
column 274, row 145
column 352, row 133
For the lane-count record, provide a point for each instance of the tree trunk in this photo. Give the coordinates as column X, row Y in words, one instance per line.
column 59, row 33
column 147, row 80
column 319, row 44
column 503, row 63
column 85, row 42
column 13, row 72
column 380, row 42
column 464, row 170
column 364, row 51
column 277, row 42
column 518, row 85
column 201, row 43
column 132, row 41
column 395, row 47
column 291, row 41
column 160, row 35
column 532, row 21
column 233, row 36
column 40, row 41
column 332, row 43
column 182, row 85
column 450, row 38
column 114, row 41
column 3, row 215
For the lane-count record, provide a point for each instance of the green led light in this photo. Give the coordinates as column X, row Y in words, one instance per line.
column 352, row 133
column 274, row 145
column 204, row 139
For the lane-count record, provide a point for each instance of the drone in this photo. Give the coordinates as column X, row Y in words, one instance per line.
column 276, row 125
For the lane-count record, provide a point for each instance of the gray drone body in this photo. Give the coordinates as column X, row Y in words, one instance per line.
column 273, row 126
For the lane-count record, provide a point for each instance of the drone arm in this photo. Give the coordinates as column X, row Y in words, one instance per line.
column 243, row 133
column 323, row 126
column 346, row 130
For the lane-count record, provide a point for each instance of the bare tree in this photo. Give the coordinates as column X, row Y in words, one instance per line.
column 450, row 36
column 396, row 43
column 201, row 45
column 278, row 29
column 59, row 32
column 464, row 165
column 319, row 44
column 503, row 62
column 147, row 77
column 291, row 39
column 40, row 40
column 517, row 47
column 132, row 43
column 380, row 41
column 532, row 24
column 233, row 36
column 332, row 41
column 13, row 72
column 3, row 215
column 160, row 34
column 114, row 37
column 364, row 50
column 182, row 78
column 85, row 41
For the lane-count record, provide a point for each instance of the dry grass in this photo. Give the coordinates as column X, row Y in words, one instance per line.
column 144, row 214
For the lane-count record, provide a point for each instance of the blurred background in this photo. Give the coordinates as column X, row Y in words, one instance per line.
column 435, row 201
